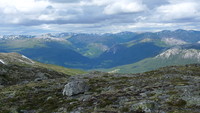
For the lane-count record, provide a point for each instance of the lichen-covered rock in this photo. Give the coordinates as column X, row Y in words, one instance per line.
column 144, row 106
column 75, row 87
column 176, row 101
column 1, row 86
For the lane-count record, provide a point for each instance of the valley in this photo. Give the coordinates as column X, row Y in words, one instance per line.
column 129, row 52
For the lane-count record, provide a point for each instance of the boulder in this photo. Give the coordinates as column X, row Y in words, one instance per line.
column 75, row 87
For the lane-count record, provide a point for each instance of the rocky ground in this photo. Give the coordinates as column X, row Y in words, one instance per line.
column 166, row 90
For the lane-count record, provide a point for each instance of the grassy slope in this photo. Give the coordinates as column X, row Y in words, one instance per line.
column 150, row 64
column 17, row 59
column 61, row 69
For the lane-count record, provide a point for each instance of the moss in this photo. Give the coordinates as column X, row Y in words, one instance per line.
column 172, row 92
column 97, row 84
column 183, row 111
column 120, row 86
column 72, row 106
column 125, row 109
column 96, row 80
column 5, row 111
column 179, row 81
column 33, row 96
column 71, row 100
column 176, row 101
column 106, row 100
column 104, row 103
column 121, row 78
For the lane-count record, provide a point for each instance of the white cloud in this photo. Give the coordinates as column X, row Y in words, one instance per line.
column 25, row 6
column 178, row 11
column 16, row 11
column 98, row 15
column 96, row 2
column 125, row 6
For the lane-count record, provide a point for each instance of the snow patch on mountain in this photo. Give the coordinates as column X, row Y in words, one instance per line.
column 169, row 53
column 15, row 37
column 173, row 41
column 49, row 37
column 183, row 53
column 12, row 58
column 1, row 61
column 114, row 71
column 27, row 59
column 191, row 53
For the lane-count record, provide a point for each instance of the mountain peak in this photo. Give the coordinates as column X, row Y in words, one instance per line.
column 173, row 41
column 181, row 53
column 179, row 30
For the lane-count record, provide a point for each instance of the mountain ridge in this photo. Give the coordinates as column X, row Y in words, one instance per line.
column 21, row 60
column 172, row 56
column 91, row 51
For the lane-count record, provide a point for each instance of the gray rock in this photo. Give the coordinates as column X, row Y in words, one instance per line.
column 38, row 79
column 41, row 75
column 1, row 86
column 75, row 87
column 145, row 106
column 85, row 98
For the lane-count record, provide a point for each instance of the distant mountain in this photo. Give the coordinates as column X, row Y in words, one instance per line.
column 174, row 56
column 189, row 36
column 120, row 54
column 92, row 51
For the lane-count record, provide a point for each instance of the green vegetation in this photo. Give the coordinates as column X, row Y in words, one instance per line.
column 17, row 59
column 154, row 91
column 61, row 69
column 150, row 64
column 93, row 50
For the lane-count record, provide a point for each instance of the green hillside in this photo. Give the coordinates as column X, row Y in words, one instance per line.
column 18, row 59
column 61, row 69
column 159, row 61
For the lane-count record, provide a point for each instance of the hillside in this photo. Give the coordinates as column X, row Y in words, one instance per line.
column 173, row 56
column 169, row 90
column 21, row 60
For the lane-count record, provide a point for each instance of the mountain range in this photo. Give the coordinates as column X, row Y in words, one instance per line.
column 114, row 52
column 18, row 60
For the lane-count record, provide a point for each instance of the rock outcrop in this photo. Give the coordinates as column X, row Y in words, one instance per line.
column 16, row 74
column 75, row 87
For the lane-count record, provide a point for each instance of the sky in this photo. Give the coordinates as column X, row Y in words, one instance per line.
column 97, row 16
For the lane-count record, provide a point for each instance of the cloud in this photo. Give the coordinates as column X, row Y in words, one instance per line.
column 124, row 7
column 23, row 6
column 151, row 4
column 98, row 15
column 176, row 11
column 64, row 1
column 16, row 11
